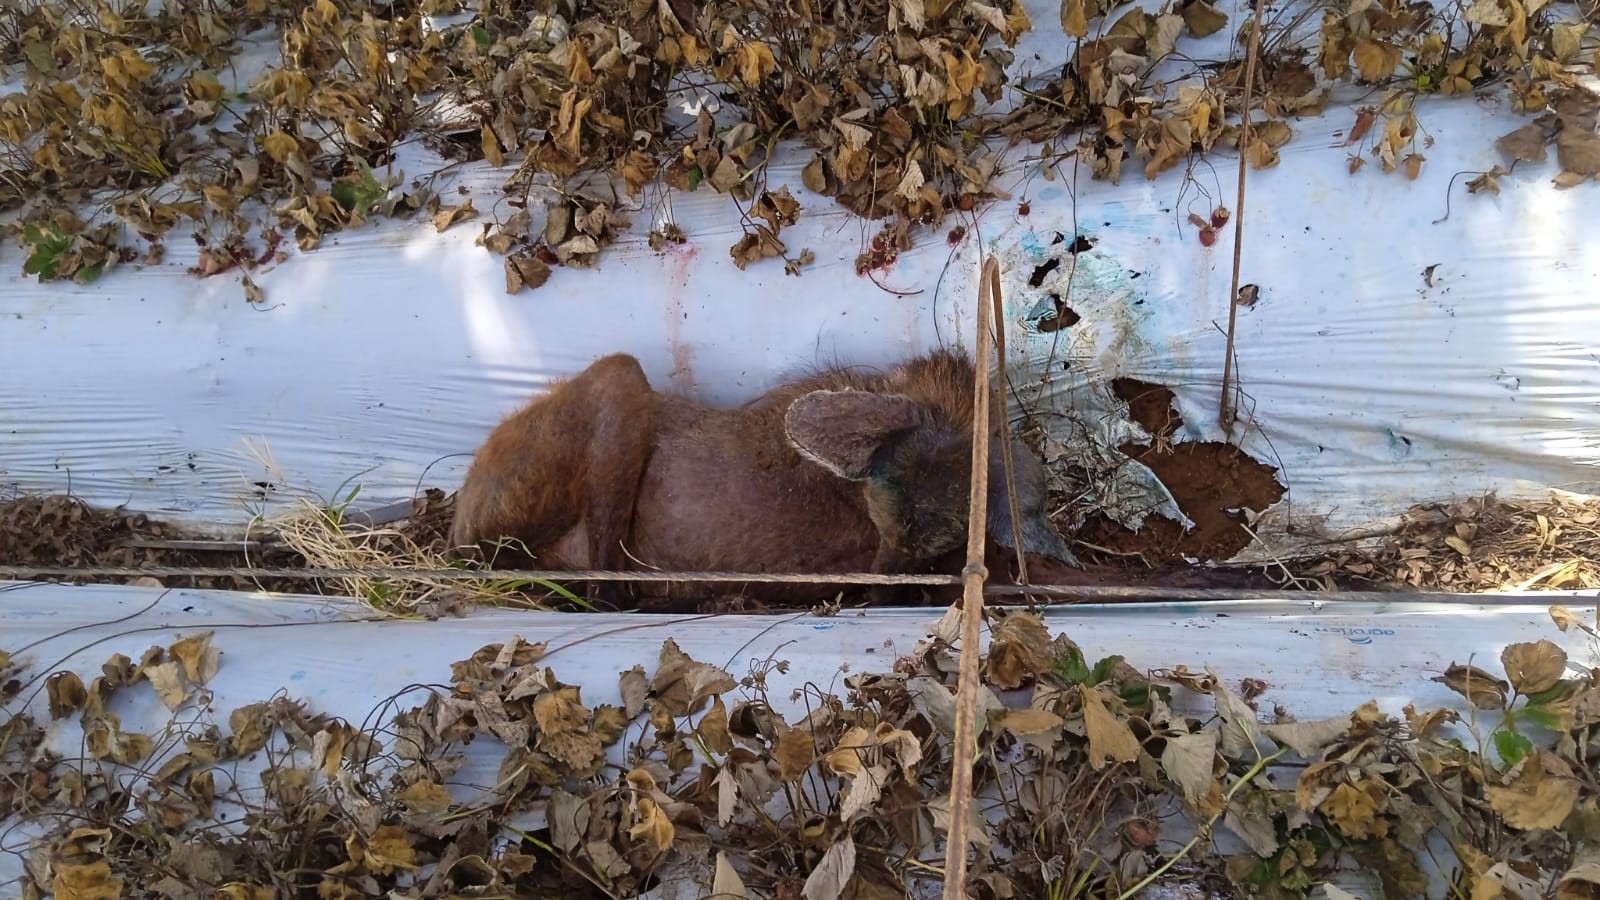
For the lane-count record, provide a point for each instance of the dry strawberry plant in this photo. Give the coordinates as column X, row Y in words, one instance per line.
column 1482, row 544
column 1095, row 780
column 252, row 123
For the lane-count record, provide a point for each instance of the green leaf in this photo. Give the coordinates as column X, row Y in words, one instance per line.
column 1136, row 695
column 480, row 35
column 1511, row 746
column 1103, row 669
column 695, row 175
column 88, row 274
column 359, row 196
column 1071, row 666
column 1541, row 717
column 1554, row 692
column 344, row 193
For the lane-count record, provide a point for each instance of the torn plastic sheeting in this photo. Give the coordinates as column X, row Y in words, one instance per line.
column 384, row 357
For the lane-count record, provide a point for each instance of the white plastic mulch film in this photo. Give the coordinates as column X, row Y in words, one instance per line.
column 1394, row 354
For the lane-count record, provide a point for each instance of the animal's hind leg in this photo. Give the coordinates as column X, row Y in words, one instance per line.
column 620, row 408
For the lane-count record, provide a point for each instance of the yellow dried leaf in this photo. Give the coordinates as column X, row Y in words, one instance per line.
column 795, row 752
column 204, row 86
column 1566, row 39
column 1109, row 737
column 1376, row 60
column 200, row 660
column 653, row 829
column 86, row 881
column 1354, row 808
column 425, row 797
column 1261, row 155
column 388, row 849
column 1025, row 722
column 1535, row 799
column 279, row 145
column 1074, row 19
column 491, row 147
column 756, row 62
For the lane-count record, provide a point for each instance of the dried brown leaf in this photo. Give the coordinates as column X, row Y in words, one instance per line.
column 1203, row 19
column 794, row 753
column 525, row 269
column 1526, row 144
column 1482, row 689
column 635, row 687
column 1581, row 881
column 1533, row 667
column 453, row 215
column 1239, row 723
column 66, row 693
column 1019, row 651
column 681, row 684
column 200, row 660
column 1578, row 151
column 1308, row 738
column 713, row 728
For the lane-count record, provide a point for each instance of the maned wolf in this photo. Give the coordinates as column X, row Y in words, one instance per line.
column 840, row 471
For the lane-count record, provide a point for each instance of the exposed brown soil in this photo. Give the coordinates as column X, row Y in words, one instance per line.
column 1151, row 405
column 63, row 531
column 1212, row 483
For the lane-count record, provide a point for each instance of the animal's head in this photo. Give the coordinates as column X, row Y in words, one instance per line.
column 915, row 469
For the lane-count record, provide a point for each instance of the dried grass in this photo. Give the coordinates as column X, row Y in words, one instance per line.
column 322, row 535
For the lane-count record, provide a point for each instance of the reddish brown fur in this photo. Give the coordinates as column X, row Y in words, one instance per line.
column 602, row 461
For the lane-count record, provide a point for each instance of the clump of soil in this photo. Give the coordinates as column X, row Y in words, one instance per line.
column 1212, row 482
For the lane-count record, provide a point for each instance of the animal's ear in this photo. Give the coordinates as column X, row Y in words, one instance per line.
column 1039, row 536
column 841, row 430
